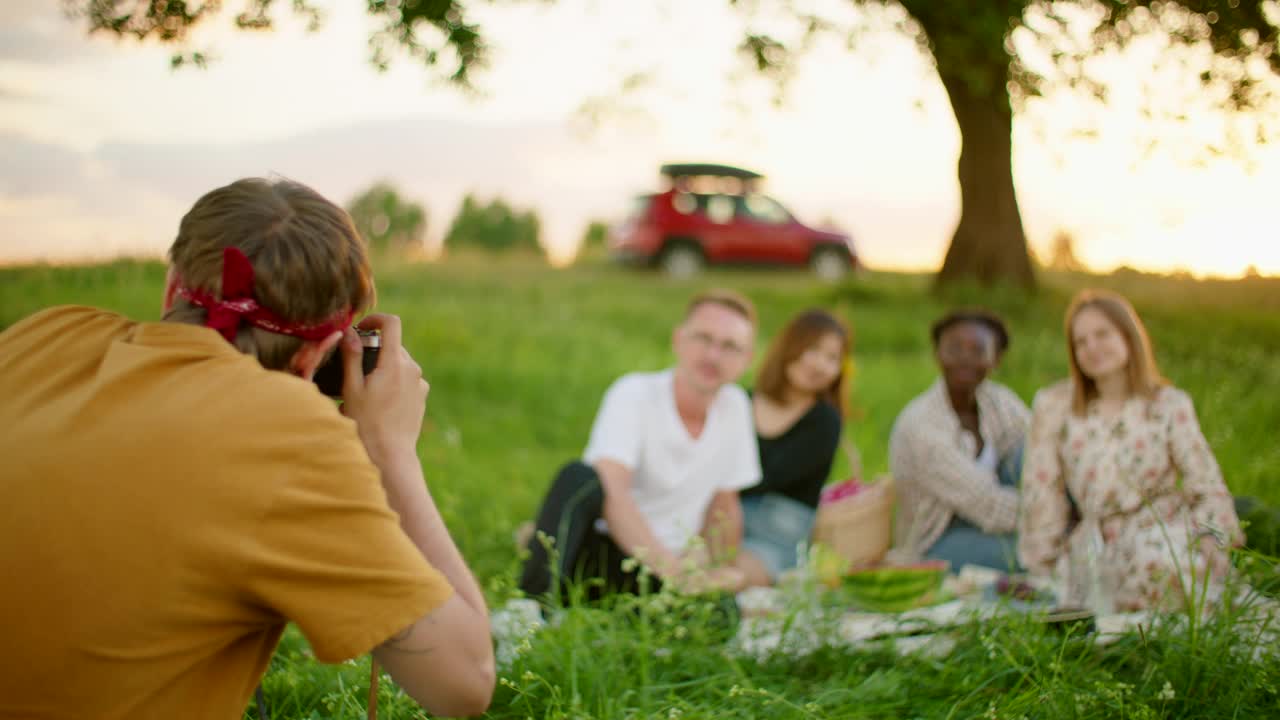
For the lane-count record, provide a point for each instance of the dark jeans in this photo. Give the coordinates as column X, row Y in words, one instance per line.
column 582, row 554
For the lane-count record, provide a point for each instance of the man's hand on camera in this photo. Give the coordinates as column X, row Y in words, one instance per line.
column 388, row 403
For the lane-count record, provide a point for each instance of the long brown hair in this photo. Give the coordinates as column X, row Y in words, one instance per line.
column 1144, row 376
column 309, row 261
column 804, row 331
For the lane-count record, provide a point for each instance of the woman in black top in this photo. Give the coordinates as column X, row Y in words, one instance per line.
column 799, row 405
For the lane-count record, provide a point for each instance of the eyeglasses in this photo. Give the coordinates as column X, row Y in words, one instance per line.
column 705, row 341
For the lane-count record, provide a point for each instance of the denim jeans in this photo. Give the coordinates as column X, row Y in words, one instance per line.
column 964, row 543
column 772, row 526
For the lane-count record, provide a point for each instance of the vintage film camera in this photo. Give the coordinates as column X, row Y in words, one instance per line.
column 329, row 375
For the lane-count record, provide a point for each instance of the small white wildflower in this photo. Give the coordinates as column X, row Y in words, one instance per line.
column 1166, row 692
column 453, row 436
column 680, row 632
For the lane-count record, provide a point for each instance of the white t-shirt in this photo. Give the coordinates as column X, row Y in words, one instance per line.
column 987, row 457
column 674, row 475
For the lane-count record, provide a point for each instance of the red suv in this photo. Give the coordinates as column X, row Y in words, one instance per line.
column 714, row 214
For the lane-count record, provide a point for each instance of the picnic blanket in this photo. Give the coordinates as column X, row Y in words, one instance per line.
column 775, row 622
column 793, row 620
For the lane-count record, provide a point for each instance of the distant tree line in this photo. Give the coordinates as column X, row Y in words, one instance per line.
column 494, row 225
column 392, row 223
column 388, row 222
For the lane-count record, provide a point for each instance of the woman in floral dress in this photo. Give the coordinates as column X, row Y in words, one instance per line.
column 1122, row 499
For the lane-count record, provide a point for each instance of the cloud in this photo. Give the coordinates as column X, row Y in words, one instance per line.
column 8, row 94
column 145, row 188
column 29, row 167
column 25, row 44
column 14, row 12
column 140, row 190
column 38, row 31
column 527, row 163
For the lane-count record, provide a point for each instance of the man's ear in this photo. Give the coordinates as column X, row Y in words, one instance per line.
column 312, row 354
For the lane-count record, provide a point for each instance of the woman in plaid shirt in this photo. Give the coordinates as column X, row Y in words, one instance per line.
column 956, row 452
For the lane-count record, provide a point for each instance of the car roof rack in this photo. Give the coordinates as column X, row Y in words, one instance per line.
column 674, row 170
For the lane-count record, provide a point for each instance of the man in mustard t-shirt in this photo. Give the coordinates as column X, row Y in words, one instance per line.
column 176, row 491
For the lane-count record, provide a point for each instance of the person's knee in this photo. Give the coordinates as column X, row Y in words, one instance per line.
column 579, row 472
column 580, row 482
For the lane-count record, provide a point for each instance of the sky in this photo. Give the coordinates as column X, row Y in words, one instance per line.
column 103, row 147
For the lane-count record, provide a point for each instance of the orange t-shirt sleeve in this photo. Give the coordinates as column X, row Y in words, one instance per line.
column 330, row 556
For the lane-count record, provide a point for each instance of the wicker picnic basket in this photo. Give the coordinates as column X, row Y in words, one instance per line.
column 856, row 519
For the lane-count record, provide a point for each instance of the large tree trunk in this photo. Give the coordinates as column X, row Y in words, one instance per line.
column 989, row 245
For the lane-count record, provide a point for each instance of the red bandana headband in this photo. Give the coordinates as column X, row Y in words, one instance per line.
column 238, row 305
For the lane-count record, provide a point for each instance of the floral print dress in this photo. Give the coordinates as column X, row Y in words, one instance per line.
column 1143, row 482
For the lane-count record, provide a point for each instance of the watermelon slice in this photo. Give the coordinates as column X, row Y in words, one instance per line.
column 896, row 588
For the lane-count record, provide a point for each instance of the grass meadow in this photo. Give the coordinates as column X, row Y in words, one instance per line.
column 518, row 356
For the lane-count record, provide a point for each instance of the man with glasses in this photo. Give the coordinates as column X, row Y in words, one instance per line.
column 657, row 487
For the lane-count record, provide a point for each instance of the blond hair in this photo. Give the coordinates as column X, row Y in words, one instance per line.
column 734, row 301
column 1143, row 374
column 309, row 261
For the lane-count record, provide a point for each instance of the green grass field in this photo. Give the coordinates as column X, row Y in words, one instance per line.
column 518, row 356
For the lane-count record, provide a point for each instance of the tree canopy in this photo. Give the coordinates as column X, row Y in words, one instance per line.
column 437, row 33
column 594, row 237
column 387, row 221
column 976, row 46
column 494, row 225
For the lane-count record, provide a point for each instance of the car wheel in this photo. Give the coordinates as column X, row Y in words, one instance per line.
column 681, row 261
column 830, row 264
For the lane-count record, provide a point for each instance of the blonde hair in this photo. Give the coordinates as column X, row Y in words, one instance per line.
column 308, row 259
column 736, row 302
column 801, row 333
column 1143, row 374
